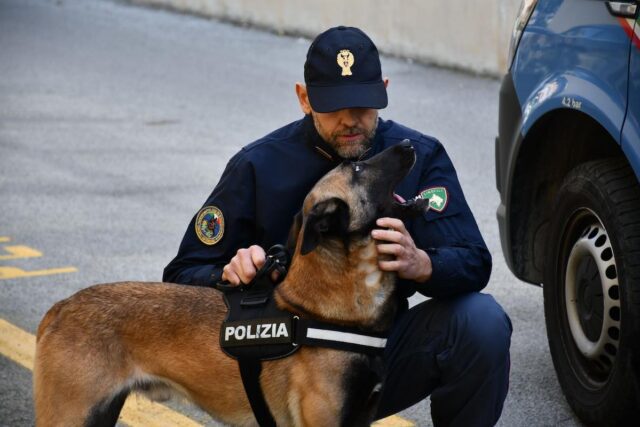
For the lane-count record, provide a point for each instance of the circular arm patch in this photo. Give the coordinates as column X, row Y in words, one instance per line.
column 209, row 225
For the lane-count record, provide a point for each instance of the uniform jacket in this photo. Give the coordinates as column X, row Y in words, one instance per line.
column 264, row 185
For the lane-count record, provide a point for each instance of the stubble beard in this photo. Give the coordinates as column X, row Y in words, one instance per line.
column 348, row 151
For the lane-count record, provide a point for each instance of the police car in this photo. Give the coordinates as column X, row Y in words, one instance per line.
column 567, row 169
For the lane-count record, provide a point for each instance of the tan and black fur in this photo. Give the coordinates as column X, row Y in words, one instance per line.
column 107, row 341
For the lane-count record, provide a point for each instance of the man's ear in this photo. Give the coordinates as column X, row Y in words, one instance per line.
column 329, row 218
column 303, row 98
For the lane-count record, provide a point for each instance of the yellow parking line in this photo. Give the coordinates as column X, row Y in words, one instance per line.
column 20, row 346
column 16, row 252
column 16, row 344
column 393, row 421
column 5, row 239
column 16, row 273
column 140, row 411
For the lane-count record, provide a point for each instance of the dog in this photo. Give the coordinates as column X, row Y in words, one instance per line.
column 107, row 341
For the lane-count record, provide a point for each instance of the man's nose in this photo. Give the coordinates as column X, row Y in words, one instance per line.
column 350, row 116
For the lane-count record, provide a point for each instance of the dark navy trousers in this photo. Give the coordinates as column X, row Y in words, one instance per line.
column 455, row 350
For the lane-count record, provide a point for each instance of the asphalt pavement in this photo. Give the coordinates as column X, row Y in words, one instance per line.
column 116, row 121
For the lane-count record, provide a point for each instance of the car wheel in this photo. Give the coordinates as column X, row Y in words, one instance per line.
column 592, row 292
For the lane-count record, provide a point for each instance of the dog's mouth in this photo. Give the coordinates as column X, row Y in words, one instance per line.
column 399, row 202
column 405, row 209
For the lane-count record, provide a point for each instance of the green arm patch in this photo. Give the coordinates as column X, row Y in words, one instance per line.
column 438, row 198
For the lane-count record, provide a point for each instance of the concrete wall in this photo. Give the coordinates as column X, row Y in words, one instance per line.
column 471, row 35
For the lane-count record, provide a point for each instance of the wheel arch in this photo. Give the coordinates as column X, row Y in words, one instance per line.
column 557, row 142
column 577, row 90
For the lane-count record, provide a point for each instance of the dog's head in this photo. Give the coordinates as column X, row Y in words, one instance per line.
column 346, row 202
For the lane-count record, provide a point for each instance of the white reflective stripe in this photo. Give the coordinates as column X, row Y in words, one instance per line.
column 323, row 334
column 622, row 8
column 636, row 28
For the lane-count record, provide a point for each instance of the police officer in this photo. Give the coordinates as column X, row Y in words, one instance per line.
column 453, row 346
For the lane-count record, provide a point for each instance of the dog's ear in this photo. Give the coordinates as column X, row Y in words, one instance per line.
column 294, row 232
column 327, row 218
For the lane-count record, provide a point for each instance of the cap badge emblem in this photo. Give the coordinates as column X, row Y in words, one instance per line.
column 345, row 61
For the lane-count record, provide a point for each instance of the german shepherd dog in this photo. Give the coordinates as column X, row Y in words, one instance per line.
column 107, row 341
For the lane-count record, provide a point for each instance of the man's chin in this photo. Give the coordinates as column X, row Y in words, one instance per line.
column 351, row 148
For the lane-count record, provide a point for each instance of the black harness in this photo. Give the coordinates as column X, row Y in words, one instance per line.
column 255, row 329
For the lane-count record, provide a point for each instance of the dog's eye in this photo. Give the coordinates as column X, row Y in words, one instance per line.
column 357, row 167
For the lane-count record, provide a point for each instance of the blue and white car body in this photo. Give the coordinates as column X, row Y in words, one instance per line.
column 568, row 172
column 574, row 56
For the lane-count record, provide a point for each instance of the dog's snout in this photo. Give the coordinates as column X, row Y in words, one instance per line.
column 395, row 162
column 405, row 145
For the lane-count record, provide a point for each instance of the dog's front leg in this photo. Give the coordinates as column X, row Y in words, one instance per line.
column 307, row 389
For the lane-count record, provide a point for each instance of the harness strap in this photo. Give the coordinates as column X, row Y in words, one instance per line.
column 257, row 297
column 258, row 294
column 250, row 372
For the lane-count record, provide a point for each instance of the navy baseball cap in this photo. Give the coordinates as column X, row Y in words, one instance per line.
column 342, row 70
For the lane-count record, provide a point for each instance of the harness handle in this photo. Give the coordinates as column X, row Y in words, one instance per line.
column 224, row 286
column 277, row 259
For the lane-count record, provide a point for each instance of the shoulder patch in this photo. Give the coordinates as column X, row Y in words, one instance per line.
column 438, row 197
column 209, row 225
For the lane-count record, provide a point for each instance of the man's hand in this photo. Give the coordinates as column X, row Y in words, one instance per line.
column 244, row 265
column 410, row 262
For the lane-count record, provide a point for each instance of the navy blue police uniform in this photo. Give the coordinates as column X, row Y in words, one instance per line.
column 453, row 346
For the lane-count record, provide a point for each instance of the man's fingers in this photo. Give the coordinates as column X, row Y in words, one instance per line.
column 390, row 249
column 242, row 268
column 258, row 256
column 230, row 276
column 387, row 235
column 247, row 270
column 390, row 265
column 252, row 259
column 244, row 265
column 393, row 230
column 394, row 223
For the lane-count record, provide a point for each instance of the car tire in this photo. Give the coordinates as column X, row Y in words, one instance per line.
column 592, row 292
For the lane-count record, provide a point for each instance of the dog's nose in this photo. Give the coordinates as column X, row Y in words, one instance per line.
column 406, row 145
